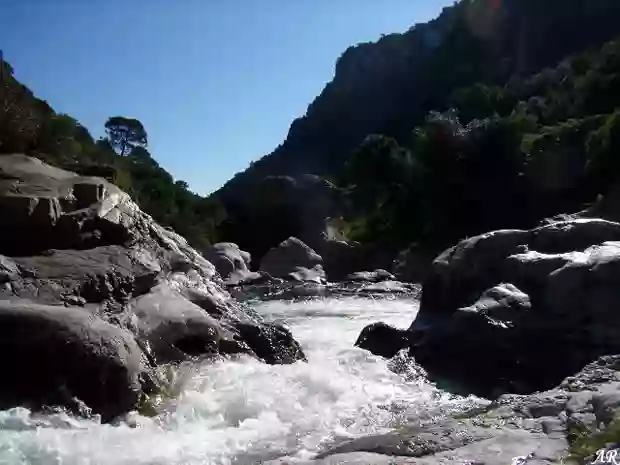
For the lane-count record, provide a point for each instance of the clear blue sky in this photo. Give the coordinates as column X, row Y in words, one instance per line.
column 215, row 82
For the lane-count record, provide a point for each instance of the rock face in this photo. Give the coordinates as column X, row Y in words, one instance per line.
column 53, row 355
column 293, row 260
column 516, row 311
column 412, row 264
column 232, row 264
column 94, row 294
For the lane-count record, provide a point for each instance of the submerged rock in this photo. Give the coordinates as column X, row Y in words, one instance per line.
column 271, row 342
column 383, row 339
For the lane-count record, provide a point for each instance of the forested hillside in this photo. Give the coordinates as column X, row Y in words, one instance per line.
column 29, row 125
column 496, row 114
column 501, row 156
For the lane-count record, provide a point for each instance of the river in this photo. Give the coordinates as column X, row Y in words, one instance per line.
column 243, row 411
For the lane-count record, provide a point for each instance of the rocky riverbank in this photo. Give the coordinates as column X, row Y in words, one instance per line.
column 514, row 316
column 95, row 295
column 539, row 428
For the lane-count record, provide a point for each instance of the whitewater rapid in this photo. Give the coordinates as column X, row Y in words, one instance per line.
column 244, row 411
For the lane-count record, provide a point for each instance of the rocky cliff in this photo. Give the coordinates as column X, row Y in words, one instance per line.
column 95, row 295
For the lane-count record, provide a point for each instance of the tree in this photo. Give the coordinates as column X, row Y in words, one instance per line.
column 125, row 134
column 603, row 149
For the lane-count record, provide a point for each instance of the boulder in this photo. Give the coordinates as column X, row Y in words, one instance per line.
column 517, row 311
column 173, row 328
column 8, row 270
column 271, row 342
column 44, row 208
column 382, row 339
column 293, row 260
column 228, row 258
column 232, row 264
column 126, row 282
column 56, row 355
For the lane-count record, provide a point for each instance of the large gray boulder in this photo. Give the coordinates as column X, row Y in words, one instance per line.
column 293, row 260
column 80, row 242
column 173, row 327
column 57, row 355
column 233, row 264
column 516, row 311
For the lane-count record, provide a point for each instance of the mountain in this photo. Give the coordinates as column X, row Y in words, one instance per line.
column 388, row 87
column 521, row 96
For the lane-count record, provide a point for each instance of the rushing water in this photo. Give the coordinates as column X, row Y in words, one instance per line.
column 243, row 411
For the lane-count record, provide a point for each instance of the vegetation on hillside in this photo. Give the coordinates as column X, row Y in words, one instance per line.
column 495, row 114
column 29, row 125
column 587, row 447
column 497, row 157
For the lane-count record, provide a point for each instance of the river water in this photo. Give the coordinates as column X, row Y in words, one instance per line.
column 244, row 411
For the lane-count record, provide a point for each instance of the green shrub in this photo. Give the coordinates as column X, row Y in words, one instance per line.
column 584, row 444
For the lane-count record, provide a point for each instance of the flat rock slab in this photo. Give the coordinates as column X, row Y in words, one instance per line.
column 95, row 275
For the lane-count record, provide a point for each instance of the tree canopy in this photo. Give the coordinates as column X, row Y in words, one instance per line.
column 496, row 157
column 125, row 134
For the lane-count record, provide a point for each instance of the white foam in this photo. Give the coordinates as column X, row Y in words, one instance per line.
column 245, row 411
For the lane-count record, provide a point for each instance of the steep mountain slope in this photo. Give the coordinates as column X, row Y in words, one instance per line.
column 389, row 86
column 480, row 57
